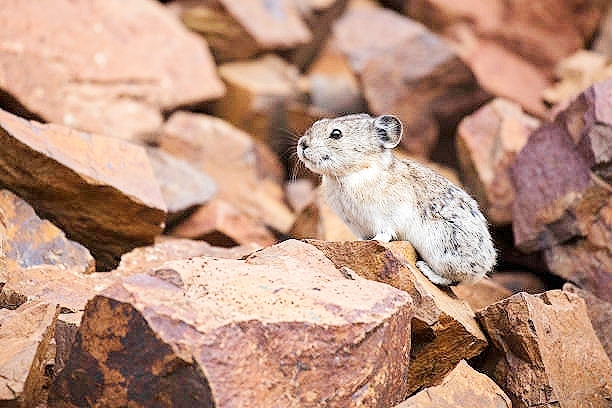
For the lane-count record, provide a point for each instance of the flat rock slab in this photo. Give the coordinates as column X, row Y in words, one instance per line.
column 444, row 330
column 30, row 241
column 546, row 352
column 482, row 293
column 284, row 327
column 462, row 387
column 99, row 190
column 25, row 337
column 71, row 63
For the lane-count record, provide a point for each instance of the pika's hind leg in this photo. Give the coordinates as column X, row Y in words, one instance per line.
column 431, row 275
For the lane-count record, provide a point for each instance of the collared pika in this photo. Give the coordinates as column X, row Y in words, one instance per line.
column 383, row 198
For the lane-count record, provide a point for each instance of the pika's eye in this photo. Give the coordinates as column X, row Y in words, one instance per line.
column 335, row 134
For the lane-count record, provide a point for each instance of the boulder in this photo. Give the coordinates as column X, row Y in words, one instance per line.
column 31, row 242
column 84, row 184
column 234, row 161
column 487, row 143
column 545, row 352
column 242, row 333
column 462, row 387
column 25, row 337
column 482, row 293
column 405, row 69
column 444, row 329
column 242, row 29
column 111, row 70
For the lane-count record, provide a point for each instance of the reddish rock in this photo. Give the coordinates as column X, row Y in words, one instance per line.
column 405, row 69
column 482, row 293
column 183, row 186
column 238, row 328
column 66, row 328
column 487, row 144
column 30, row 241
column 443, row 329
column 107, row 67
column 230, row 157
column 599, row 312
column 241, row 29
column 546, row 352
column 221, row 224
column 84, row 184
column 25, row 337
column 462, row 387
column 520, row 282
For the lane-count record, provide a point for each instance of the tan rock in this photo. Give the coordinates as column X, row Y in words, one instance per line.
column 25, row 335
column 30, row 241
column 73, row 64
column 230, row 157
column 482, row 293
column 462, row 387
column 241, row 29
column 221, row 224
column 183, row 186
column 84, row 184
column 599, row 312
column 252, row 331
column 546, row 352
column 487, row 143
column 444, row 330
column 406, row 70
column 517, row 281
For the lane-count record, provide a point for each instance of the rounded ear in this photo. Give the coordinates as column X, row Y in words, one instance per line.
column 389, row 130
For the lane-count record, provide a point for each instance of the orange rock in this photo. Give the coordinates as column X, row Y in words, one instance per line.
column 99, row 190
column 107, row 67
column 254, row 331
column 482, row 293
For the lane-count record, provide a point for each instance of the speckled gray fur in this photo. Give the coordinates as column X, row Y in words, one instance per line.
column 383, row 198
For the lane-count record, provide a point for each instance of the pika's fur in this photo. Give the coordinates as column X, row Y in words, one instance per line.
column 383, row 198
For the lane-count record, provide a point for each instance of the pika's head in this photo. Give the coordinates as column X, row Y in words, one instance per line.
column 347, row 144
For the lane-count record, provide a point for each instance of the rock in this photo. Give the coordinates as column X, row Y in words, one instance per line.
column 112, row 70
column 66, row 329
column 482, row 293
column 83, row 184
column 516, row 281
column 258, row 93
column 599, row 312
column 221, row 224
column 487, row 144
column 405, row 69
column 462, row 387
column 238, row 30
column 183, row 186
column 563, row 201
column 576, row 73
column 603, row 41
column 252, row 331
column 546, row 352
column 30, row 241
column 231, row 158
column 25, row 337
column 443, row 329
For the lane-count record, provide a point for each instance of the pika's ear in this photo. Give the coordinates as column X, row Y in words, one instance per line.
column 389, row 130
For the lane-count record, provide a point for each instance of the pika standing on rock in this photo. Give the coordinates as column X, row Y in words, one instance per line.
column 383, row 198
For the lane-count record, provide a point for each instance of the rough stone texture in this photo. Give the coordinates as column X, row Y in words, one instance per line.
column 30, row 241
column 564, row 200
column 406, row 70
column 108, row 67
column 482, row 293
column 242, row 333
column 487, row 144
column 183, row 186
column 233, row 160
column 444, row 330
column 84, row 184
column 462, row 387
column 546, row 352
column 66, row 328
column 241, row 29
column 221, row 224
column 600, row 313
column 25, row 336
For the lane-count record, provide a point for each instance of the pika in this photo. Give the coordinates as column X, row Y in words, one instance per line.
column 383, row 198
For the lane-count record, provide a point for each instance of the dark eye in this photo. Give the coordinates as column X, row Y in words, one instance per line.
column 336, row 134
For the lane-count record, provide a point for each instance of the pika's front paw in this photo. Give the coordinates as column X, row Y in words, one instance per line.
column 382, row 237
column 432, row 276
